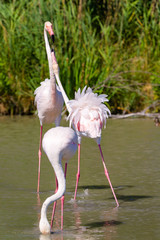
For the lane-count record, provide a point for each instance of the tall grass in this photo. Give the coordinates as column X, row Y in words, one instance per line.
column 111, row 46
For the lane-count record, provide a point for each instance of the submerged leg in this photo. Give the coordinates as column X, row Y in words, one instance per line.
column 107, row 175
column 78, row 173
column 54, row 206
column 62, row 199
column 39, row 156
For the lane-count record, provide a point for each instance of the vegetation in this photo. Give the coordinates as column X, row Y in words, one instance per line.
column 112, row 46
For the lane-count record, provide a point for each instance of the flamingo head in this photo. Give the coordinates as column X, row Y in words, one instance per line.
column 48, row 28
column 44, row 226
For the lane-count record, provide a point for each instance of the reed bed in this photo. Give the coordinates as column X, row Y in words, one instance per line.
column 111, row 46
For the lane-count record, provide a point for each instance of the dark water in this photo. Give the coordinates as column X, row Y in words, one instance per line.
column 132, row 153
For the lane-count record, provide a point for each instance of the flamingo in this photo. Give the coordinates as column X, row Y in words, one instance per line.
column 59, row 143
column 87, row 115
column 48, row 99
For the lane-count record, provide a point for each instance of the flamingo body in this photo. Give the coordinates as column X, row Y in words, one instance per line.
column 88, row 113
column 49, row 102
column 59, row 144
column 59, row 140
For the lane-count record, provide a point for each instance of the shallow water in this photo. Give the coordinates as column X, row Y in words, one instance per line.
column 131, row 149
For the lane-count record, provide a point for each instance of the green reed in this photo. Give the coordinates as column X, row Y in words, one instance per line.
column 111, row 46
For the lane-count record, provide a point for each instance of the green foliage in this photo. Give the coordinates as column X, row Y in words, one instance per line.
column 111, row 46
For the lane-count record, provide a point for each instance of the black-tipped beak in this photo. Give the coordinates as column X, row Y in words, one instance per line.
column 52, row 37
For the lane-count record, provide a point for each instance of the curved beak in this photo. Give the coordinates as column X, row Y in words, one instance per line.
column 50, row 31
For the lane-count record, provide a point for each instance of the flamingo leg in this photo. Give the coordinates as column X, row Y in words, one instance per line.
column 62, row 199
column 54, row 206
column 78, row 172
column 39, row 156
column 107, row 175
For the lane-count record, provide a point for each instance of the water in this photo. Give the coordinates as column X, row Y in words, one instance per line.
column 132, row 154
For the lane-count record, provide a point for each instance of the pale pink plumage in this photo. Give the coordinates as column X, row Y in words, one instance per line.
column 49, row 102
column 59, row 144
column 88, row 113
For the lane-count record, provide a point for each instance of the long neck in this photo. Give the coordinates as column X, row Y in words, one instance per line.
column 61, row 189
column 56, row 72
column 48, row 50
column 66, row 100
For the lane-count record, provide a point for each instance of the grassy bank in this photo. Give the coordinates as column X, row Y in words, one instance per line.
column 112, row 46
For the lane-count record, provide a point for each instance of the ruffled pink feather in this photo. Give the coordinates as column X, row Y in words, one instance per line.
column 88, row 112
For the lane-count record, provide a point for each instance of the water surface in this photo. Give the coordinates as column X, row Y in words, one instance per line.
column 131, row 149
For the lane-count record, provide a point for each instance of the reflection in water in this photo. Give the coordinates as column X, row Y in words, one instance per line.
column 111, row 223
column 57, row 236
column 108, row 226
column 77, row 216
column 38, row 200
column 45, row 237
column 38, row 207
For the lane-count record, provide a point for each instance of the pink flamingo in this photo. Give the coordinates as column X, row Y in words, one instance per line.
column 87, row 114
column 48, row 98
column 59, row 143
